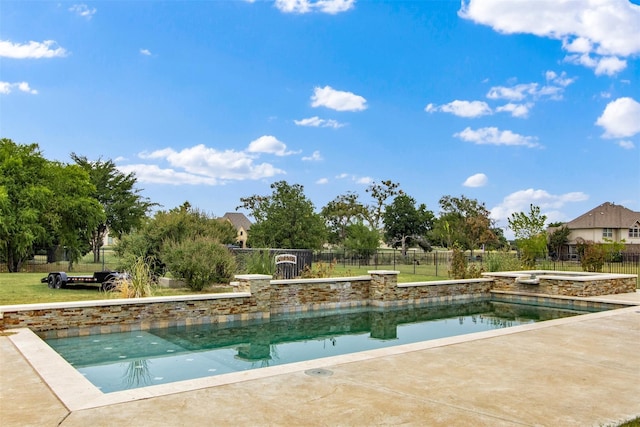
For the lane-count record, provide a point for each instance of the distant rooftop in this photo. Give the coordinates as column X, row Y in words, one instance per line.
column 607, row 215
column 238, row 220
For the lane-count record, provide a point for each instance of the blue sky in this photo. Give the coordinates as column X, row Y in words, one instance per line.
column 507, row 102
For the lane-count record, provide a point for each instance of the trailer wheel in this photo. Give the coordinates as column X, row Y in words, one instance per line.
column 51, row 281
column 58, row 281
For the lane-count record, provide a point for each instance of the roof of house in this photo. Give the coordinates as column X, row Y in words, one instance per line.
column 607, row 215
column 238, row 220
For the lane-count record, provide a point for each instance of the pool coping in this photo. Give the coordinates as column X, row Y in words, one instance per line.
column 77, row 393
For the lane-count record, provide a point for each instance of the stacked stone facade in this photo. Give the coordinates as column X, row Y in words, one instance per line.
column 257, row 297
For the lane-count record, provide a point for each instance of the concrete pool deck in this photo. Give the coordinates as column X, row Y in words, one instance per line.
column 579, row 371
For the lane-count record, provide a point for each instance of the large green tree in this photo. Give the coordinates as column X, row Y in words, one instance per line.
column 465, row 222
column 42, row 204
column 123, row 205
column 528, row 229
column 285, row 219
column 380, row 192
column 405, row 223
column 361, row 241
column 340, row 213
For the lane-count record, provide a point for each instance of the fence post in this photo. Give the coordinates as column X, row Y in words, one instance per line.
column 435, row 260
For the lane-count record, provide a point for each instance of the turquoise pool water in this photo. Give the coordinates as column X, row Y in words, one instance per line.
column 121, row 361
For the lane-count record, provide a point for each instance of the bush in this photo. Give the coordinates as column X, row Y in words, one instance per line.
column 592, row 255
column 137, row 283
column 258, row 262
column 200, row 261
column 460, row 268
column 502, row 261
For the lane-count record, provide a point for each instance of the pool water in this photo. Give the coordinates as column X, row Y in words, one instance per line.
column 121, row 361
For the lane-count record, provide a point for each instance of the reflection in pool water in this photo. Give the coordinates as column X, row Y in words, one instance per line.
column 122, row 361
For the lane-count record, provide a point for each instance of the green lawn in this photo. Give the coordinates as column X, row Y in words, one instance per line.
column 25, row 288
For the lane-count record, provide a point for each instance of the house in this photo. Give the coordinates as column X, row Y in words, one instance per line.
column 241, row 224
column 607, row 222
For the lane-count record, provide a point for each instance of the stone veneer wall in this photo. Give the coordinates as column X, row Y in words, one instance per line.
column 318, row 294
column 258, row 296
column 577, row 285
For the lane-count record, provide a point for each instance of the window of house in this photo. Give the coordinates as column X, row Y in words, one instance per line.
column 607, row 232
column 635, row 231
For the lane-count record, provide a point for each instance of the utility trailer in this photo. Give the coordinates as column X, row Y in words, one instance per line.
column 60, row 279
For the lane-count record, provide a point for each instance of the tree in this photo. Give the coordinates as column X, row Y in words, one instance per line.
column 42, row 203
column 122, row 203
column 340, row 213
column 557, row 239
column 380, row 192
column 173, row 227
column 285, row 219
column 530, row 235
column 361, row 240
column 404, row 222
column 465, row 222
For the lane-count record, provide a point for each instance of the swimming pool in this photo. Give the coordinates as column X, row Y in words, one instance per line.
column 123, row 361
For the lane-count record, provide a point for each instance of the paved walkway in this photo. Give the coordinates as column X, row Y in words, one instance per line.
column 582, row 371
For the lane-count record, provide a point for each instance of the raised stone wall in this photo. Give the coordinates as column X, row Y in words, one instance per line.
column 106, row 316
column 560, row 283
column 258, row 296
column 318, row 294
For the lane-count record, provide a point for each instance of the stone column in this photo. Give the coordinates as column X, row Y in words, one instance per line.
column 259, row 285
column 383, row 286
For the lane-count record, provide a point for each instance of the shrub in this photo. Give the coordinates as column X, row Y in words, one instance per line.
column 319, row 270
column 137, row 283
column 501, row 261
column 258, row 262
column 592, row 255
column 200, row 261
column 458, row 268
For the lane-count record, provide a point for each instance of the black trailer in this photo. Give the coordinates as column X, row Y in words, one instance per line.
column 60, row 279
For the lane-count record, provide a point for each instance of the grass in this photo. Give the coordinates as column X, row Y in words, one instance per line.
column 25, row 288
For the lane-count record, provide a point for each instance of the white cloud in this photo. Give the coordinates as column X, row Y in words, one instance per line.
column 561, row 80
column 322, row 181
column 31, row 50
column 305, row 6
column 627, row 145
column 621, row 118
column 269, row 144
column 516, row 110
column 337, row 100
column 83, row 10
column 366, row 180
column 6, row 88
column 609, row 65
column 318, row 122
column 606, row 29
column 494, row 136
column 514, row 93
column 145, row 52
column 477, row 180
column 462, row 108
column 315, row 157
column 201, row 165
column 519, row 201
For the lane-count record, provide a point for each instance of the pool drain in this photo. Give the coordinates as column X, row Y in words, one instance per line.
column 319, row 372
